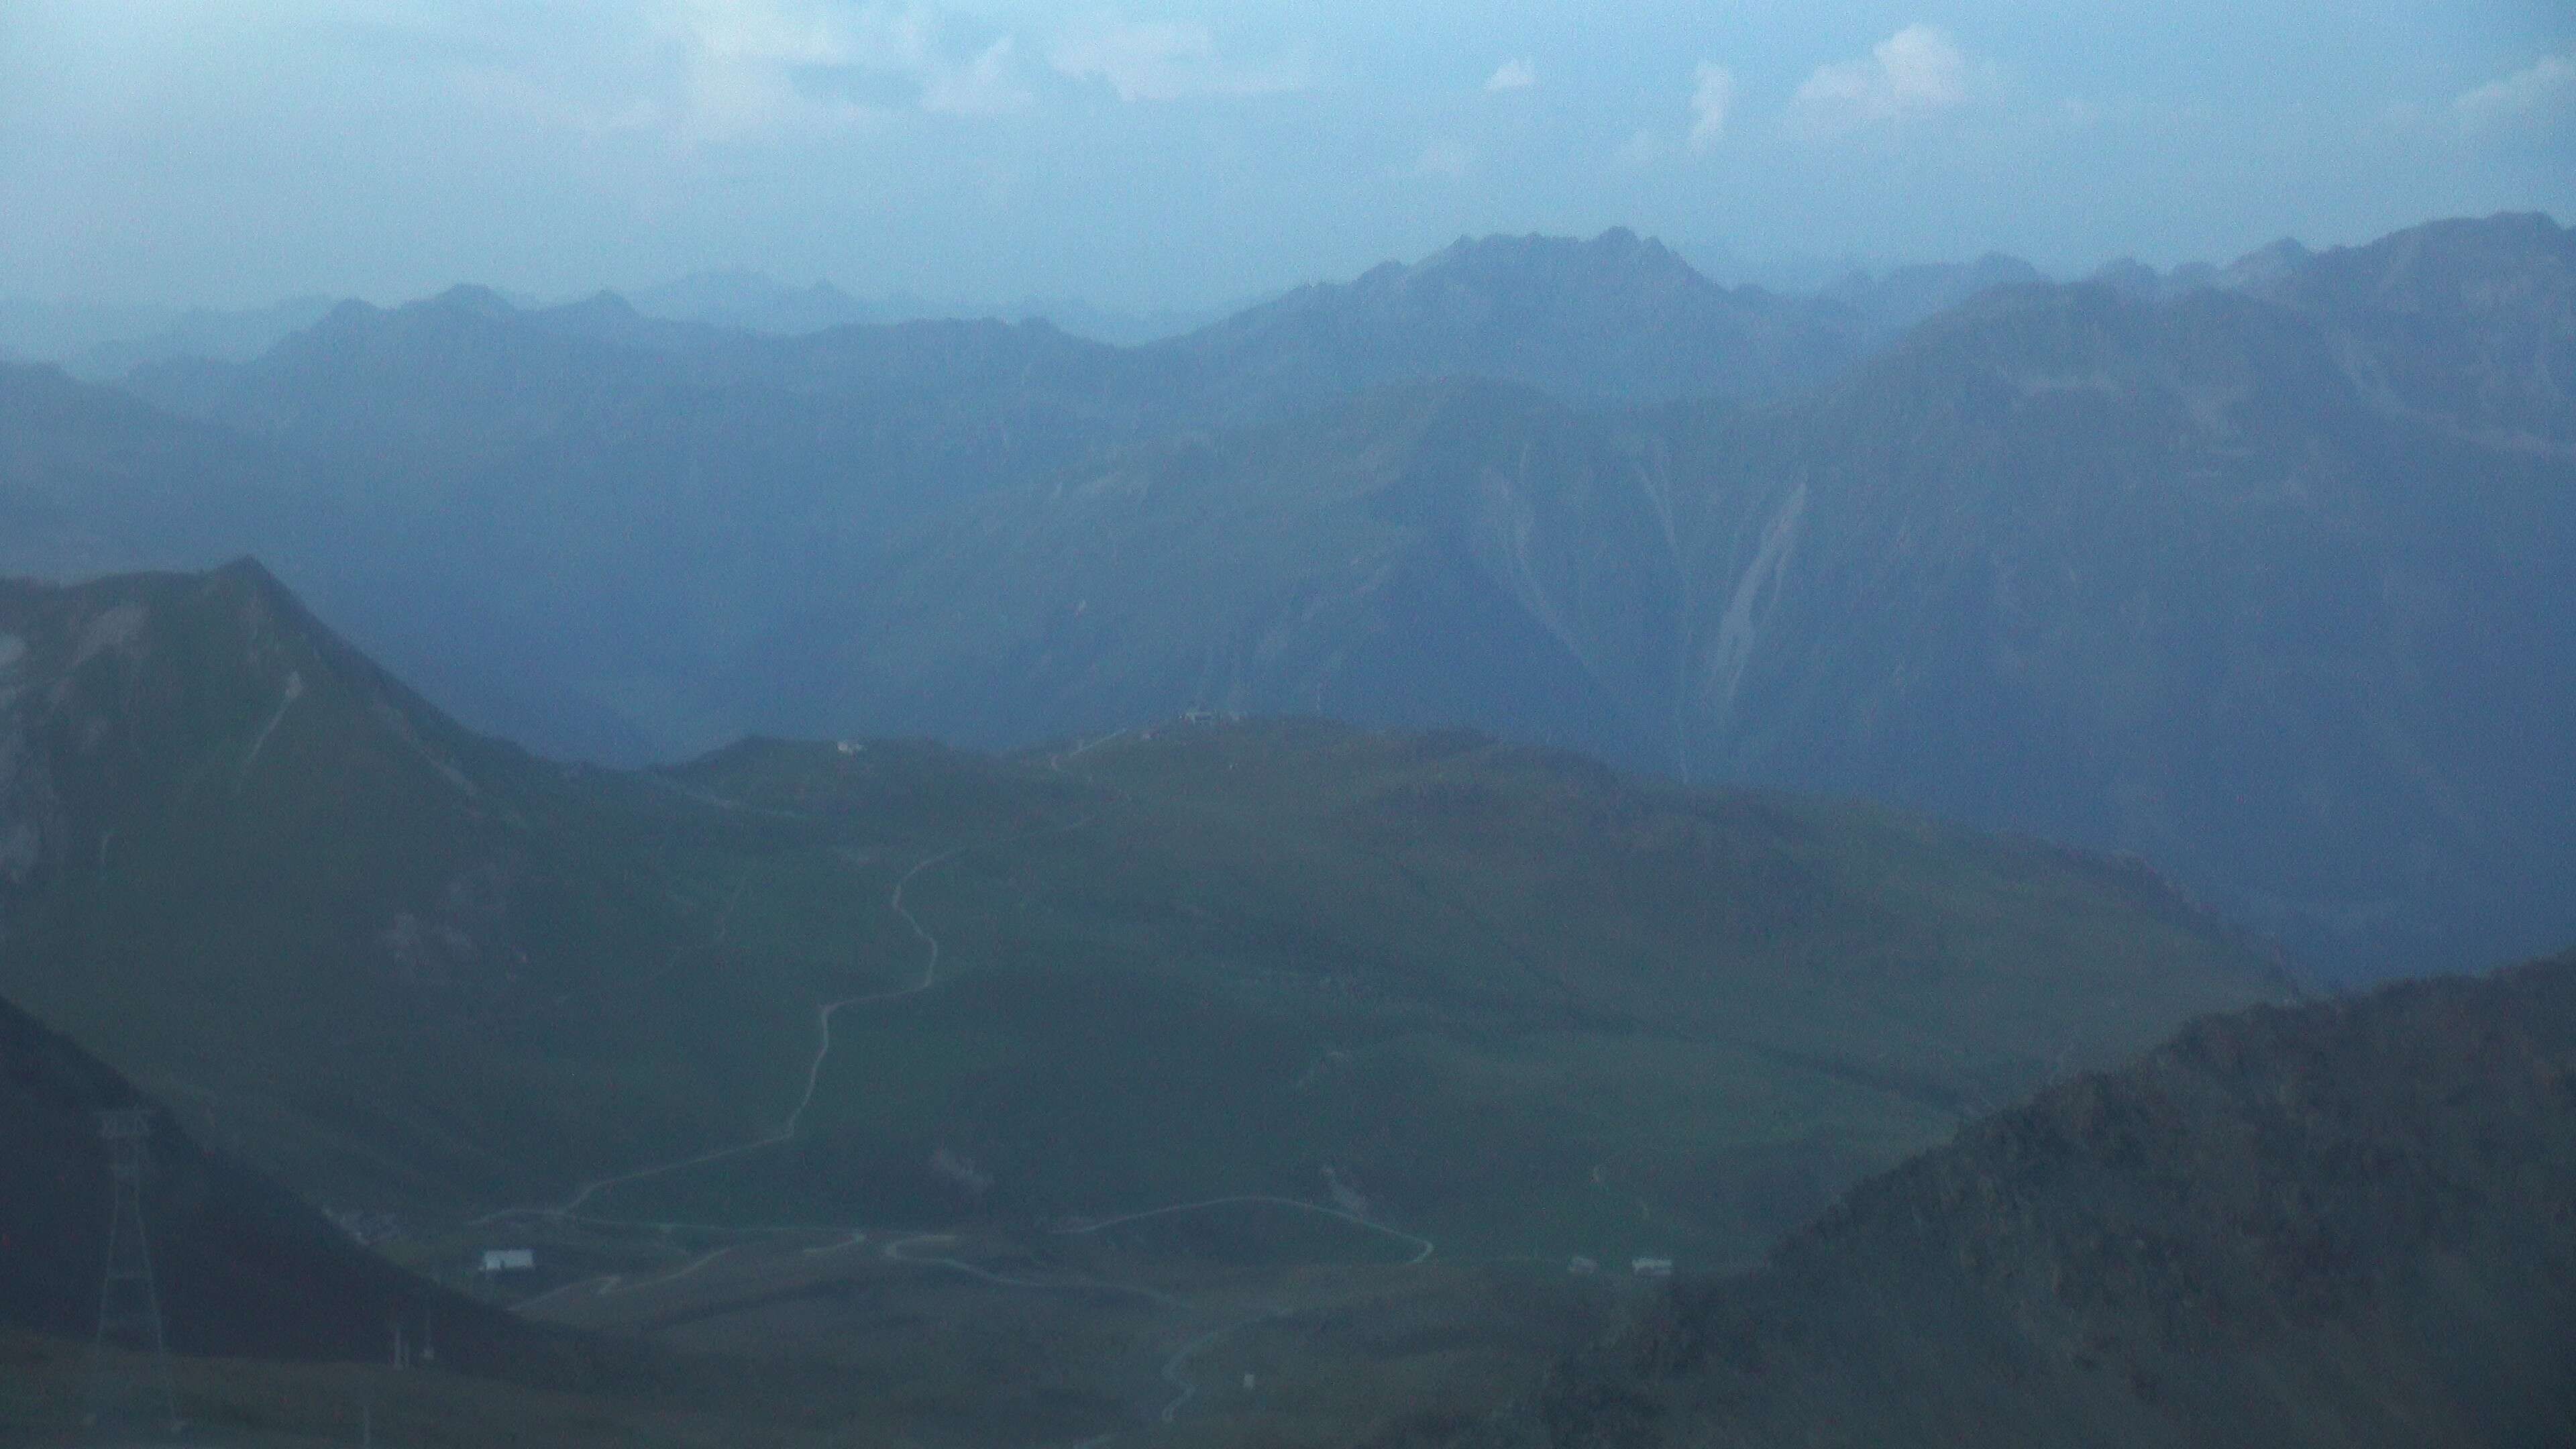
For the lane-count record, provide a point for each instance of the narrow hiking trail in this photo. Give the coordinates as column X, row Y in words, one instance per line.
column 894, row 1253
column 1173, row 1366
column 608, row 1284
column 788, row 1130
column 900, row 1249
column 826, row 1012
column 1423, row 1247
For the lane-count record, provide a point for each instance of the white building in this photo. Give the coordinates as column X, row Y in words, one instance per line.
column 509, row 1260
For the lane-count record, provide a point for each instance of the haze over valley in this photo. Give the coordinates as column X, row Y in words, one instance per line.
column 806, row 722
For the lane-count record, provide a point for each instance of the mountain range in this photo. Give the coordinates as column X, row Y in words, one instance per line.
column 2257, row 572
column 103, row 343
column 756, row 302
column 2255, row 588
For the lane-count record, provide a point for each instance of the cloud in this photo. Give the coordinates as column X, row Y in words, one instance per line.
column 1442, row 161
column 1512, row 75
column 715, row 71
column 988, row 85
column 2536, row 97
column 1919, row 71
column 1712, row 96
column 1164, row 61
column 788, row 32
column 1640, row 151
column 744, row 65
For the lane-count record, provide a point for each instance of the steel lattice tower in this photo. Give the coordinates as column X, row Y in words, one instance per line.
column 130, row 1390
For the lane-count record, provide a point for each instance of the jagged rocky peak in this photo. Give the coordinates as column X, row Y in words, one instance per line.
column 2520, row 263
column 2129, row 277
column 602, row 303
column 2269, row 265
column 1540, row 260
column 470, row 297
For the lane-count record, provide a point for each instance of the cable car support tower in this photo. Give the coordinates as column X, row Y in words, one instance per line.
column 130, row 1391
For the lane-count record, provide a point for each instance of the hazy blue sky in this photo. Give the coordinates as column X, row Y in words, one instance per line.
column 1188, row 151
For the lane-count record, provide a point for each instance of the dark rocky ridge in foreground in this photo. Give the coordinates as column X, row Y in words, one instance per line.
column 2346, row 1223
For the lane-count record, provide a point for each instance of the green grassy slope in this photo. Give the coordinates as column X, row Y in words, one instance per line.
column 1504, row 1001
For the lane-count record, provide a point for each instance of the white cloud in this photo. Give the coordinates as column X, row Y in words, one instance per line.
column 1640, row 151
column 1443, row 161
column 731, row 70
column 1918, row 71
column 1712, row 97
column 988, row 85
column 779, row 32
column 1512, row 75
column 740, row 61
column 2535, row 97
column 1164, row 61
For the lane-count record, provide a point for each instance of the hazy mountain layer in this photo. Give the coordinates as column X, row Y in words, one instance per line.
column 2188, row 577
column 756, row 302
column 108, row 342
column 1511, row 1001
column 2258, row 573
column 1892, row 302
column 94, row 481
column 610, row 505
column 1617, row 319
column 2162, row 578
column 2338, row 1224
column 2467, row 325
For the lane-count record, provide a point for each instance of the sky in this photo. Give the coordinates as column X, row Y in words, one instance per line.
column 1184, row 153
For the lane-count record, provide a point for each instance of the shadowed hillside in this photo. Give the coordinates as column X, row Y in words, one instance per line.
column 411, row 968
column 2338, row 1224
column 245, row 1268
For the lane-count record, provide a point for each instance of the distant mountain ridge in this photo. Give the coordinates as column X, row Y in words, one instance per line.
column 1617, row 319
column 2465, row 324
column 103, row 343
column 756, row 302
column 1896, row 300
column 2060, row 559
column 550, row 480
column 2182, row 576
